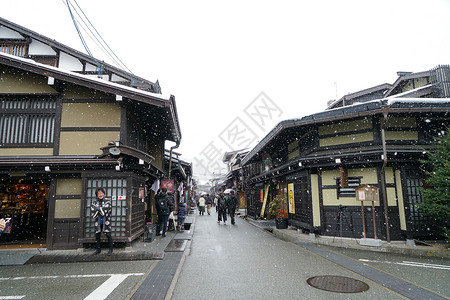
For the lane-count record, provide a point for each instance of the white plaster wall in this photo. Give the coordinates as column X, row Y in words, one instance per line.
column 6, row 33
column 90, row 67
column 38, row 48
column 69, row 63
column 116, row 78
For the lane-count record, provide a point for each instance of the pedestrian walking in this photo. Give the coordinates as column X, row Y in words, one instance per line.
column 208, row 204
column 231, row 206
column 101, row 212
column 201, row 205
column 222, row 209
column 181, row 216
column 164, row 206
column 216, row 199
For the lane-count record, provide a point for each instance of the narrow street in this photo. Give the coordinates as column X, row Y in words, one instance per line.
column 239, row 261
column 245, row 262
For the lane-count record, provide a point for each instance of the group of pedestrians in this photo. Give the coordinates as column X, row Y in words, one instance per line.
column 164, row 207
column 224, row 203
column 205, row 201
column 101, row 213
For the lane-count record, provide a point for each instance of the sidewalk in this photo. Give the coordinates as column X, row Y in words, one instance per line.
column 399, row 247
column 158, row 282
column 139, row 250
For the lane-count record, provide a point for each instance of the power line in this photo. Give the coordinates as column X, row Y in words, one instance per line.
column 93, row 34
column 79, row 33
column 106, row 44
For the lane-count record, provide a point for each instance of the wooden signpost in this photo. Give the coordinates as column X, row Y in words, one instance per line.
column 367, row 193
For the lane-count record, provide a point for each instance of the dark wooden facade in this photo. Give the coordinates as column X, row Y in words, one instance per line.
column 67, row 134
column 311, row 155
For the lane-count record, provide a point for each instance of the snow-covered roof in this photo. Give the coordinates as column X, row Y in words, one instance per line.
column 22, row 32
column 158, row 100
column 86, row 78
column 352, row 111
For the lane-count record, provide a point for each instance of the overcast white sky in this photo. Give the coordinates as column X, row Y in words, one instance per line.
column 217, row 57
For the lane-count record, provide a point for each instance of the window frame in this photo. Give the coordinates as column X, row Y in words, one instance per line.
column 27, row 121
column 349, row 191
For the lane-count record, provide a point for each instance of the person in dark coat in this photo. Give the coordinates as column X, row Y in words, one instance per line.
column 181, row 216
column 208, row 203
column 231, row 205
column 222, row 209
column 101, row 212
column 164, row 206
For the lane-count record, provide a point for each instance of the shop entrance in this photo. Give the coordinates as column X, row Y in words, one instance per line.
column 25, row 202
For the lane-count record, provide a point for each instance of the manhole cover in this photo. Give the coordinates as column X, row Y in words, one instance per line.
column 338, row 284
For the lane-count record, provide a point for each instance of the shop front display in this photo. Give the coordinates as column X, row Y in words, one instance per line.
column 26, row 204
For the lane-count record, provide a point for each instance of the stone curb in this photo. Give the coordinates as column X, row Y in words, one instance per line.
column 293, row 236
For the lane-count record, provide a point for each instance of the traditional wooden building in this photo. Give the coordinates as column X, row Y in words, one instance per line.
column 316, row 162
column 66, row 131
column 234, row 175
column 22, row 42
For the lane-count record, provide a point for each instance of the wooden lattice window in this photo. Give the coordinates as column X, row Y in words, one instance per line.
column 116, row 189
column 14, row 47
column 27, row 121
column 347, row 189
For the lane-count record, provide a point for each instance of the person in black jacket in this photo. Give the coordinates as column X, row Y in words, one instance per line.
column 101, row 212
column 222, row 209
column 231, row 205
column 181, row 216
column 164, row 206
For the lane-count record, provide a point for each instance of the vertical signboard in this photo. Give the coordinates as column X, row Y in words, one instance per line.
column 291, row 198
column 266, row 193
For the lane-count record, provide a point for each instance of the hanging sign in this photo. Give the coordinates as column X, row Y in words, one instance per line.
column 169, row 184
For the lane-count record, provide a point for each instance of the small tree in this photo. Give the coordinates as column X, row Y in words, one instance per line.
column 274, row 207
column 277, row 207
column 436, row 197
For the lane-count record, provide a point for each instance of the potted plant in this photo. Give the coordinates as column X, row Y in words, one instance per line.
column 277, row 210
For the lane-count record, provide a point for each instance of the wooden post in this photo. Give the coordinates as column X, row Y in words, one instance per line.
column 363, row 218
column 373, row 216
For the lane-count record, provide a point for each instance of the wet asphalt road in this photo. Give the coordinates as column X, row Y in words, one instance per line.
column 431, row 273
column 71, row 280
column 245, row 262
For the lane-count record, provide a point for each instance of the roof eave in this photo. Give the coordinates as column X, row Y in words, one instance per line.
column 358, row 110
column 80, row 55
